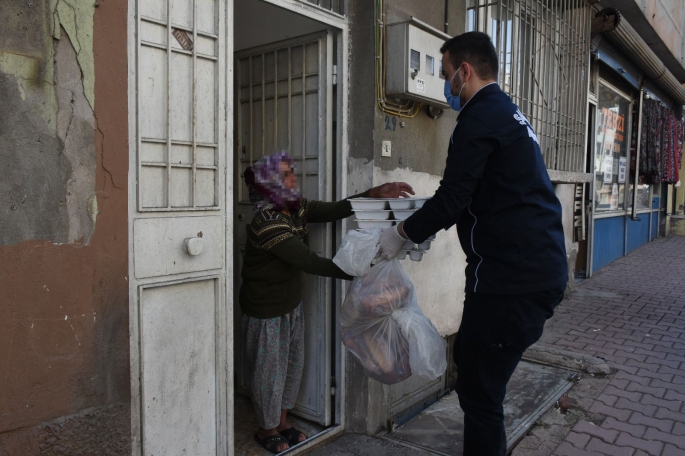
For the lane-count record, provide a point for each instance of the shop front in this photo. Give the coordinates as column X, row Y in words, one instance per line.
column 636, row 140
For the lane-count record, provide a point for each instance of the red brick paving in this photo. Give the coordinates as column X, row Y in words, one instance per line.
column 632, row 314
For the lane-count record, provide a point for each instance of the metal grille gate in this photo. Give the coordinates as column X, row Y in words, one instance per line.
column 544, row 48
column 284, row 101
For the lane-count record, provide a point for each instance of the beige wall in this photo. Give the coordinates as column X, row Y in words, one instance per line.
column 667, row 17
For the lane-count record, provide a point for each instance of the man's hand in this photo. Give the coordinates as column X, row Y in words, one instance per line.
column 391, row 243
column 392, row 190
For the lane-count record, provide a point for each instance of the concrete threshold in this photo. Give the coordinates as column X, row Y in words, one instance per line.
column 533, row 389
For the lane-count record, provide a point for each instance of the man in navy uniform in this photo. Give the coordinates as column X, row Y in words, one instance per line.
column 496, row 189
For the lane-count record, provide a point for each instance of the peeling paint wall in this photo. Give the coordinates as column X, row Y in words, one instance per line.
column 64, row 347
column 47, row 145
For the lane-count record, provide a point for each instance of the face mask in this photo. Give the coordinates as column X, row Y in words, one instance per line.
column 453, row 101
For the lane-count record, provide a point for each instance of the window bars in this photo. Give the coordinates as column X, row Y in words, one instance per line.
column 543, row 48
column 333, row 6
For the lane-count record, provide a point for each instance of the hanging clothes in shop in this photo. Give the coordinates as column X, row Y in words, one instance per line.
column 661, row 147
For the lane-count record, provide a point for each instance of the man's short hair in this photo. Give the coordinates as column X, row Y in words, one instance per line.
column 476, row 49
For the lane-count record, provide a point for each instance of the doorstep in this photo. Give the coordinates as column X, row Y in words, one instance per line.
column 532, row 390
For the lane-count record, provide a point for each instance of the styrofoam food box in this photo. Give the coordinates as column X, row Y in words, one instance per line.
column 364, row 204
column 415, row 255
column 401, row 203
column 373, row 215
column 370, row 224
column 402, row 214
column 418, row 202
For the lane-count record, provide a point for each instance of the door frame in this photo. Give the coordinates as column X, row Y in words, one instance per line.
column 338, row 27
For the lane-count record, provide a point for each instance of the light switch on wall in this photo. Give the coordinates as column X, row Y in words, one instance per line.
column 385, row 149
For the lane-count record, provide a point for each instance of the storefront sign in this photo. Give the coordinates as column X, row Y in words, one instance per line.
column 579, row 214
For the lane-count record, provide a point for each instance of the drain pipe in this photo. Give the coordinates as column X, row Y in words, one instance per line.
column 638, row 145
column 447, row 11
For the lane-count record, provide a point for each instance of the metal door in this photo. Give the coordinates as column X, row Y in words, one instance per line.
column 177, row 267
column 284, row 101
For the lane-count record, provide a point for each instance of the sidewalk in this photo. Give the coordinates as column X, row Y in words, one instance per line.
column 632, row 314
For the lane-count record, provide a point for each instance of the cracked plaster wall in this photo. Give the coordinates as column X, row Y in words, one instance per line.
column 64, row 342
column 47, row 139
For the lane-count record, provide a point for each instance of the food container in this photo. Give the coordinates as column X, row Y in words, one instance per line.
column 401, row 203
column 409, row 245
column 402, row 214
column 432, row 238
column 415, row 255
column 371, row 224
column 425, row 245
column 368, row 204
column 402, row 255
column 373, row 215
column 418, row 202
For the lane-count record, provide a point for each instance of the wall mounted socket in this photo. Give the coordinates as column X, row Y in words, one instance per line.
column 386, row 149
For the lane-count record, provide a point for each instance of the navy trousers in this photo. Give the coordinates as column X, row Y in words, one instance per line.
column 495, row 331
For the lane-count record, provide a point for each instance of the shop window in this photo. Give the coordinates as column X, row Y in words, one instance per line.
column 611, row 150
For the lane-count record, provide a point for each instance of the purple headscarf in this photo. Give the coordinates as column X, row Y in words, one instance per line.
column 267, row 189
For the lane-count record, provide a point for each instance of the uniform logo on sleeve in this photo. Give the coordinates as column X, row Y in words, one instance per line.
column 520, row 118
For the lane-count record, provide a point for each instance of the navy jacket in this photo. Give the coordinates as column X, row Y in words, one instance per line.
column 496, row 189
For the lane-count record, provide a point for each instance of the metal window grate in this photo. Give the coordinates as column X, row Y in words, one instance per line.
column 543, row 48
column 333, row 6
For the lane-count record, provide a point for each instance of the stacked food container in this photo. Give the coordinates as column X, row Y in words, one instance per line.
column 385, row 212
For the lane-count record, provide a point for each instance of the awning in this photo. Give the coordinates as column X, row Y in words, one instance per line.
column 630, row 43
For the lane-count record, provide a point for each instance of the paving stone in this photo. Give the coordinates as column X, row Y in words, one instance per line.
column 566, row 449
column 649, row 366
column 664, row 425
column 655, row 434
column 669, row 415
column 632, row 378
column 657, row 375
column 620, row 392
column 636, row 430
column 680, row 388
column 586, row 427
column 656, row 392
column 669, row 404
column 599, row 407
column 674, row 396
column 651, row 447
column 671, row 450
column 607, row 399
column 670, row 370
column 605, row 448
column 626, row 404
column 678, row 429
column 577, row 440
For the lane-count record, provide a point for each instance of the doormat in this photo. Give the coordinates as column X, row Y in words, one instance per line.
column 532, row 390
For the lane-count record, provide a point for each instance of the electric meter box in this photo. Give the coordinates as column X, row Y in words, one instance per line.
column 414, row 63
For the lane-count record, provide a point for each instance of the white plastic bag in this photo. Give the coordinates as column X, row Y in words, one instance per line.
column 382, row 325
column 357, row 250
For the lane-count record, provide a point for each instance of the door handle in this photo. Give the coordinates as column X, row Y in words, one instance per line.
column 194, row 246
